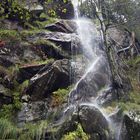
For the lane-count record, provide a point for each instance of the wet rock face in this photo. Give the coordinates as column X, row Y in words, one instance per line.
column 49, row 79
column 93, row 121
column 91, row 84
column 131, row 126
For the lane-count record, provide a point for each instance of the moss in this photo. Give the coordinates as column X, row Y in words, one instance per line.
column 10, row 37
column 51, row 60
column 8, row 34
column 59, row 96
column 134, row 62
column 77, row 134
column 42, row 24
column 27, row 33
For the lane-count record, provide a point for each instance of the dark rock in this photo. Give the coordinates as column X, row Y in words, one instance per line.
column 93, row 121
column 131, row 126
column 65, row 26
column 33, row 111
column 49, row 79
column 6, row 61
column 27, row 72
column 5, row 96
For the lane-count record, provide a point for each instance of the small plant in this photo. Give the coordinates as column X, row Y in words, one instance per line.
column 59, row 96
column 77, row 134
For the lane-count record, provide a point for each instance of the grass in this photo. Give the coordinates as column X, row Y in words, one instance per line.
column 29, row 131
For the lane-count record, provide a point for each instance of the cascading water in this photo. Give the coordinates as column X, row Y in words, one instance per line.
column 97, row 69
column 97, row 75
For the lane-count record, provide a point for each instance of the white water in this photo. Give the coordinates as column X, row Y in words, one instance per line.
column 92, row 44
column 90, row 40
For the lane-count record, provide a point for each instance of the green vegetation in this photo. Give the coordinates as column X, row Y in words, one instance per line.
column 14, row 10
column 60, row 96
column 77, row 134
column 134, row 97
column 29, row 131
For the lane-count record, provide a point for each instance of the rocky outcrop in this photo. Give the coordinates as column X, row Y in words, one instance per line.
column 93, row 122
column 65, row 26
column 33, row 111
column 91, row 119
column 27, row 72
column 5, row 96
column 63, row 40
column 49, row 79
column 131, row 126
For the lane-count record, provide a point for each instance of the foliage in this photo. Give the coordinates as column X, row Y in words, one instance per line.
column 33, row 131
column 14, row 10
column 77, row 134
column 54, row 9
column 8, row 130
column 60, row 96
column 29, row 131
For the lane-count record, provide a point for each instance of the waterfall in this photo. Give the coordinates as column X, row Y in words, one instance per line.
column 87, row 88
column 97, row 75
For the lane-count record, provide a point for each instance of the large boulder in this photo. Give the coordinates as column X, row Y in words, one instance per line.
column 93, row 122
column 89, row 117
column 49, row 79
column 131, row 126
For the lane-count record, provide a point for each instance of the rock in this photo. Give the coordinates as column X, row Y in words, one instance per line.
column 93, row 121
column 11, row 55
column 65, row 26
column 36, row 9
column 89, row 117
column 6, row 61
column 5, row 96
column 25, row 98
column 131, row 126
column 49, row 79
column 90, row 84
column 33, row 111
column 57, row 44
column 63, row 40
column 27, row 72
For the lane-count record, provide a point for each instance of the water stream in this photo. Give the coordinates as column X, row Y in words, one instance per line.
column 97, row 75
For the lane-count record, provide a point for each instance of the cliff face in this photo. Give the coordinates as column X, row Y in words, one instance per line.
column 41, row 60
